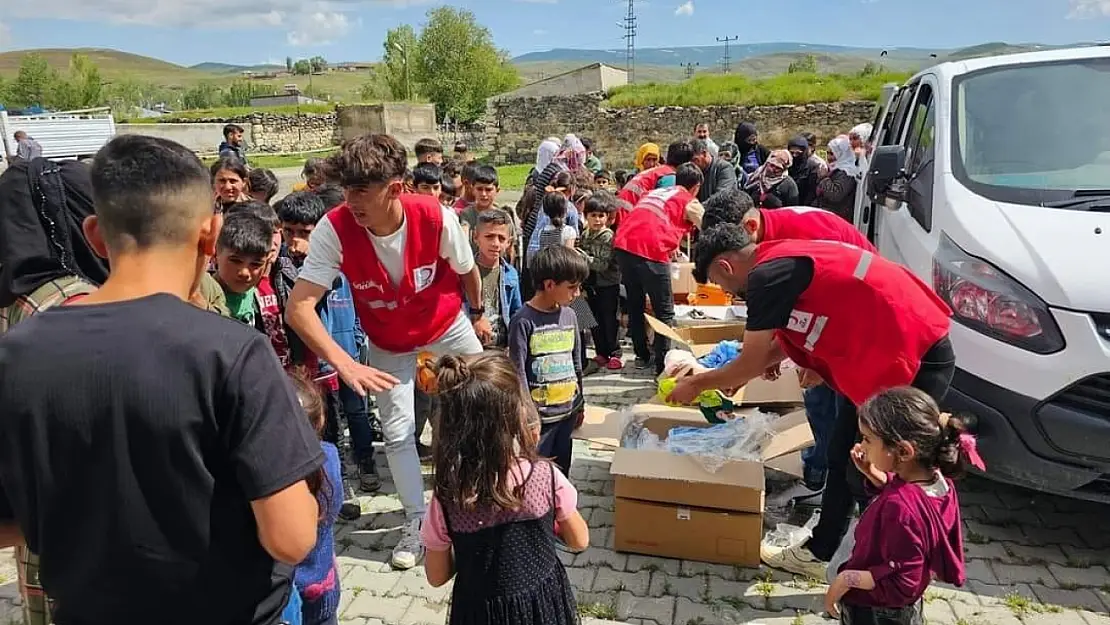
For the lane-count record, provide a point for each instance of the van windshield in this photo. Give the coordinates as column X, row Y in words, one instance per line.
column 1031, row 134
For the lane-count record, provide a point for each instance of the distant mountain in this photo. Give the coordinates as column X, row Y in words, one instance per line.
column 225, row 68
column 709, row 56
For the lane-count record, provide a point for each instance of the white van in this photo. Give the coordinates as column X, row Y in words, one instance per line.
column 990, row 180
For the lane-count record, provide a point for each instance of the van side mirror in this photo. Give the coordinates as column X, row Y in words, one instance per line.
column 887, row 165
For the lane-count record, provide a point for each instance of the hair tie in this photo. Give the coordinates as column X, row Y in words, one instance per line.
column 970, row 448
column 944, row 418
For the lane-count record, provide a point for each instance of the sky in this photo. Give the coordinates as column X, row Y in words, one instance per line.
column 248, row 32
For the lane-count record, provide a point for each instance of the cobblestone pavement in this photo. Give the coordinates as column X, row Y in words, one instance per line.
column 1031, row 558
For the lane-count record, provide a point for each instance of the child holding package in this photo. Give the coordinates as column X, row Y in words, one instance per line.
column 544, row 344
column 494, row 505
column 316, row 577
column 910, row 533
column 603, row 289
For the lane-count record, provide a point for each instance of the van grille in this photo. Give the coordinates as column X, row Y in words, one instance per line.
column 1091, row 395
column 1102, row 324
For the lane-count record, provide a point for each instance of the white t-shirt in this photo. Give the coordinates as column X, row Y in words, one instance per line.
column 325, row 252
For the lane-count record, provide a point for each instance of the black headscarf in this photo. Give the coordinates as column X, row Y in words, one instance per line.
column 42, row 206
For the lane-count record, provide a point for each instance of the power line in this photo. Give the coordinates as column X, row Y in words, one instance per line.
column 690, row 69
column 726, row 60
column 630, row 41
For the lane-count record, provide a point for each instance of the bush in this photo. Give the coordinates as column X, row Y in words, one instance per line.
column 737, row 90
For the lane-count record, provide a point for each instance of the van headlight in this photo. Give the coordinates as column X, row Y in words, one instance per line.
column 990, row 302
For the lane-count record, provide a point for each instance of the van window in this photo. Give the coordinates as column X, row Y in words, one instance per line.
column 919, row 157
column 1033, row 133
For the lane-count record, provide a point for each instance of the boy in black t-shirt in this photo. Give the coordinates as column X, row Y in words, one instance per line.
column 173, row 430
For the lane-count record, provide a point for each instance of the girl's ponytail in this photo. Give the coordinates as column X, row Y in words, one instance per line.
column 555, row 207
column 451, row 372
column 958, row 448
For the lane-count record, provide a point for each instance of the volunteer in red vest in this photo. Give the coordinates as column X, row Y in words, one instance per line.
column 862, row 323
column 409, row 264
column 645, row 244
column 678, row 153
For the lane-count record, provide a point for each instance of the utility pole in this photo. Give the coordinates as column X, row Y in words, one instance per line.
column 690, row 69
column 404, row 50
column 726, row 60
column 630, row 41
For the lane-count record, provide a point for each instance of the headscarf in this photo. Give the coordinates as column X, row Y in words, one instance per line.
column 546, row 153
column 42, row 206
column 841, row 149
column 800, row 166
column 863, row 131
column 764, row 179
column 643, row 152
column 743, row 131
column 574, row 153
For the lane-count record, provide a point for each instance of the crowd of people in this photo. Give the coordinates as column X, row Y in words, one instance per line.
column 183, row 358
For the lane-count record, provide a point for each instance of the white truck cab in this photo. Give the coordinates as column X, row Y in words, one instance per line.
column 990, row 180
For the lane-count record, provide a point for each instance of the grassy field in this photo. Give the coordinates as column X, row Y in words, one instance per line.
column 228, row 112
column 512, row 177
column 735, row 90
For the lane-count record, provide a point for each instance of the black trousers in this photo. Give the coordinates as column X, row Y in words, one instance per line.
column 646, row 278
column 860, row 615
column 605, row 303
column 557, row 442
column 843, row 482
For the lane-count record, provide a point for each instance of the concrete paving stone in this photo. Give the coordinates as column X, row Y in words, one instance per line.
column 1080, row 557
column 1039, row 535
column 374, row 583
column 984, row 615
column 382, row 504
column 987, row 594
column 1094, row 535
column 1010, row 574
column 565, row 557
column 691, row 568
column 693, row 588
column 635, row 583
column 977, row 494
column 595, row 621
column 593, row 501
column 996, row 515
column 601, row 537
column 600, row 473
column 1079, row 598
column 939, row 612
column 594, row 488
column 719, row 588
column 388, row 609
column 424, row 612
column 659, row 609
column 359, row 621
column 1095, row 576
column 413, row 583
column 1067, row 617
column 582, row 579
column 355, row 554
column 652, row 563
column 988, row 551
column 597, row 556
column 9, row 591
column 601, row 518
column 1017, row 553
column 578, row 472
column 1054, row 519
column 1095, row 618
column 996, row 533
column 980, row 570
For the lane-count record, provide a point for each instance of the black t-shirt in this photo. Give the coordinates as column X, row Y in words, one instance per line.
column 774, row 288
column 133, row 436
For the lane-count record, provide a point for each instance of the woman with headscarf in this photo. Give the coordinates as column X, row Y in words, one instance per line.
column 771, row 186
column 45, row 261
column 751, row 155
column 860, row 137
column 802, row 170
column 837, row 191
column 647, row 156
column 571, row 157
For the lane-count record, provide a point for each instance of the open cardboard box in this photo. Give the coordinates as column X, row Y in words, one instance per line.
column 672, row 506
column 684, row 283
column 784, row 392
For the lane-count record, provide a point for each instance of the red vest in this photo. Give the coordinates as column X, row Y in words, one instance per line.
column 863, row 323
column 405, row 317
column 635, row 189
column 810, row 224
column 655, row 226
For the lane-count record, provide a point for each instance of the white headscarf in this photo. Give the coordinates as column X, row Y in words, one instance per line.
column 546, row 153
column 841, row 149
column 863, row 131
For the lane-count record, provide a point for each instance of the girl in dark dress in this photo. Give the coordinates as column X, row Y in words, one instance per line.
column 490, row 524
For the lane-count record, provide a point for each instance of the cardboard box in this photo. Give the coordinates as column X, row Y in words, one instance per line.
column 684, row 283
column 784, row 392
column 672, row 506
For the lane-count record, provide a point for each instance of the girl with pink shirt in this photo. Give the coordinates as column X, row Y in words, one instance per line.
column 495, row 504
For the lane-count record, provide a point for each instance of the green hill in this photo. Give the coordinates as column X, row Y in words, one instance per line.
column 113, row 64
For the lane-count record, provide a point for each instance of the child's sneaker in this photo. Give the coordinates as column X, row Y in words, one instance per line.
column 615, row 364
column 601, row 360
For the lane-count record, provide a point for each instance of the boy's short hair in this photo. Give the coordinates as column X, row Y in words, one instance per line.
column 559, row 264
column 587, row 143
column 316, row 166
column 263, row 181
column 369, row 159
column 428, row 146
column 604, row 174
column 688, row 175
column 247, row 234
column 331, row 195
column 461, row 147
column 427, row 173
column 679, row 153
column 726, row 206
column 447, row 187
column 469, row 170
column 601, row 202
column 620, row 177
column 485, row 174
column 811, row 139
column 265, row 212
column 302, row 208
column 149, row 191
column 451, row 169
column 230, row 128
column 494, row 217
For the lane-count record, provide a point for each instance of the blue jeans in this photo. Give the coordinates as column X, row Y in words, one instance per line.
column 820, row 403
column 358, row 420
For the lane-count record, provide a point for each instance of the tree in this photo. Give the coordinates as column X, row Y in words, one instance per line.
column 36, row 82
column 318, row 64
column 805, row 65
column 204, row 95
column 240, row 92
column 871, row 68
column 458, row 66
column 85, row 84
column 401, row 54
column 302, row 67
column 289, row 64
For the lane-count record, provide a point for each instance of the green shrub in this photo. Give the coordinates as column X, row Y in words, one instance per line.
column 737, row 90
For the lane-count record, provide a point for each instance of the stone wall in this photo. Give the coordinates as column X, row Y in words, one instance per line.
column 515, row 127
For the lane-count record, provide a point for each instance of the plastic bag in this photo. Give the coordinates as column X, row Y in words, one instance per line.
column 786, row 536
column 722, row 354
column 712, row 447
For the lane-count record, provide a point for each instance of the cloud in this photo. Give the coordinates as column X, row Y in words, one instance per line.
column 1088, row 9
column 319, row 28
column 686, row 8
